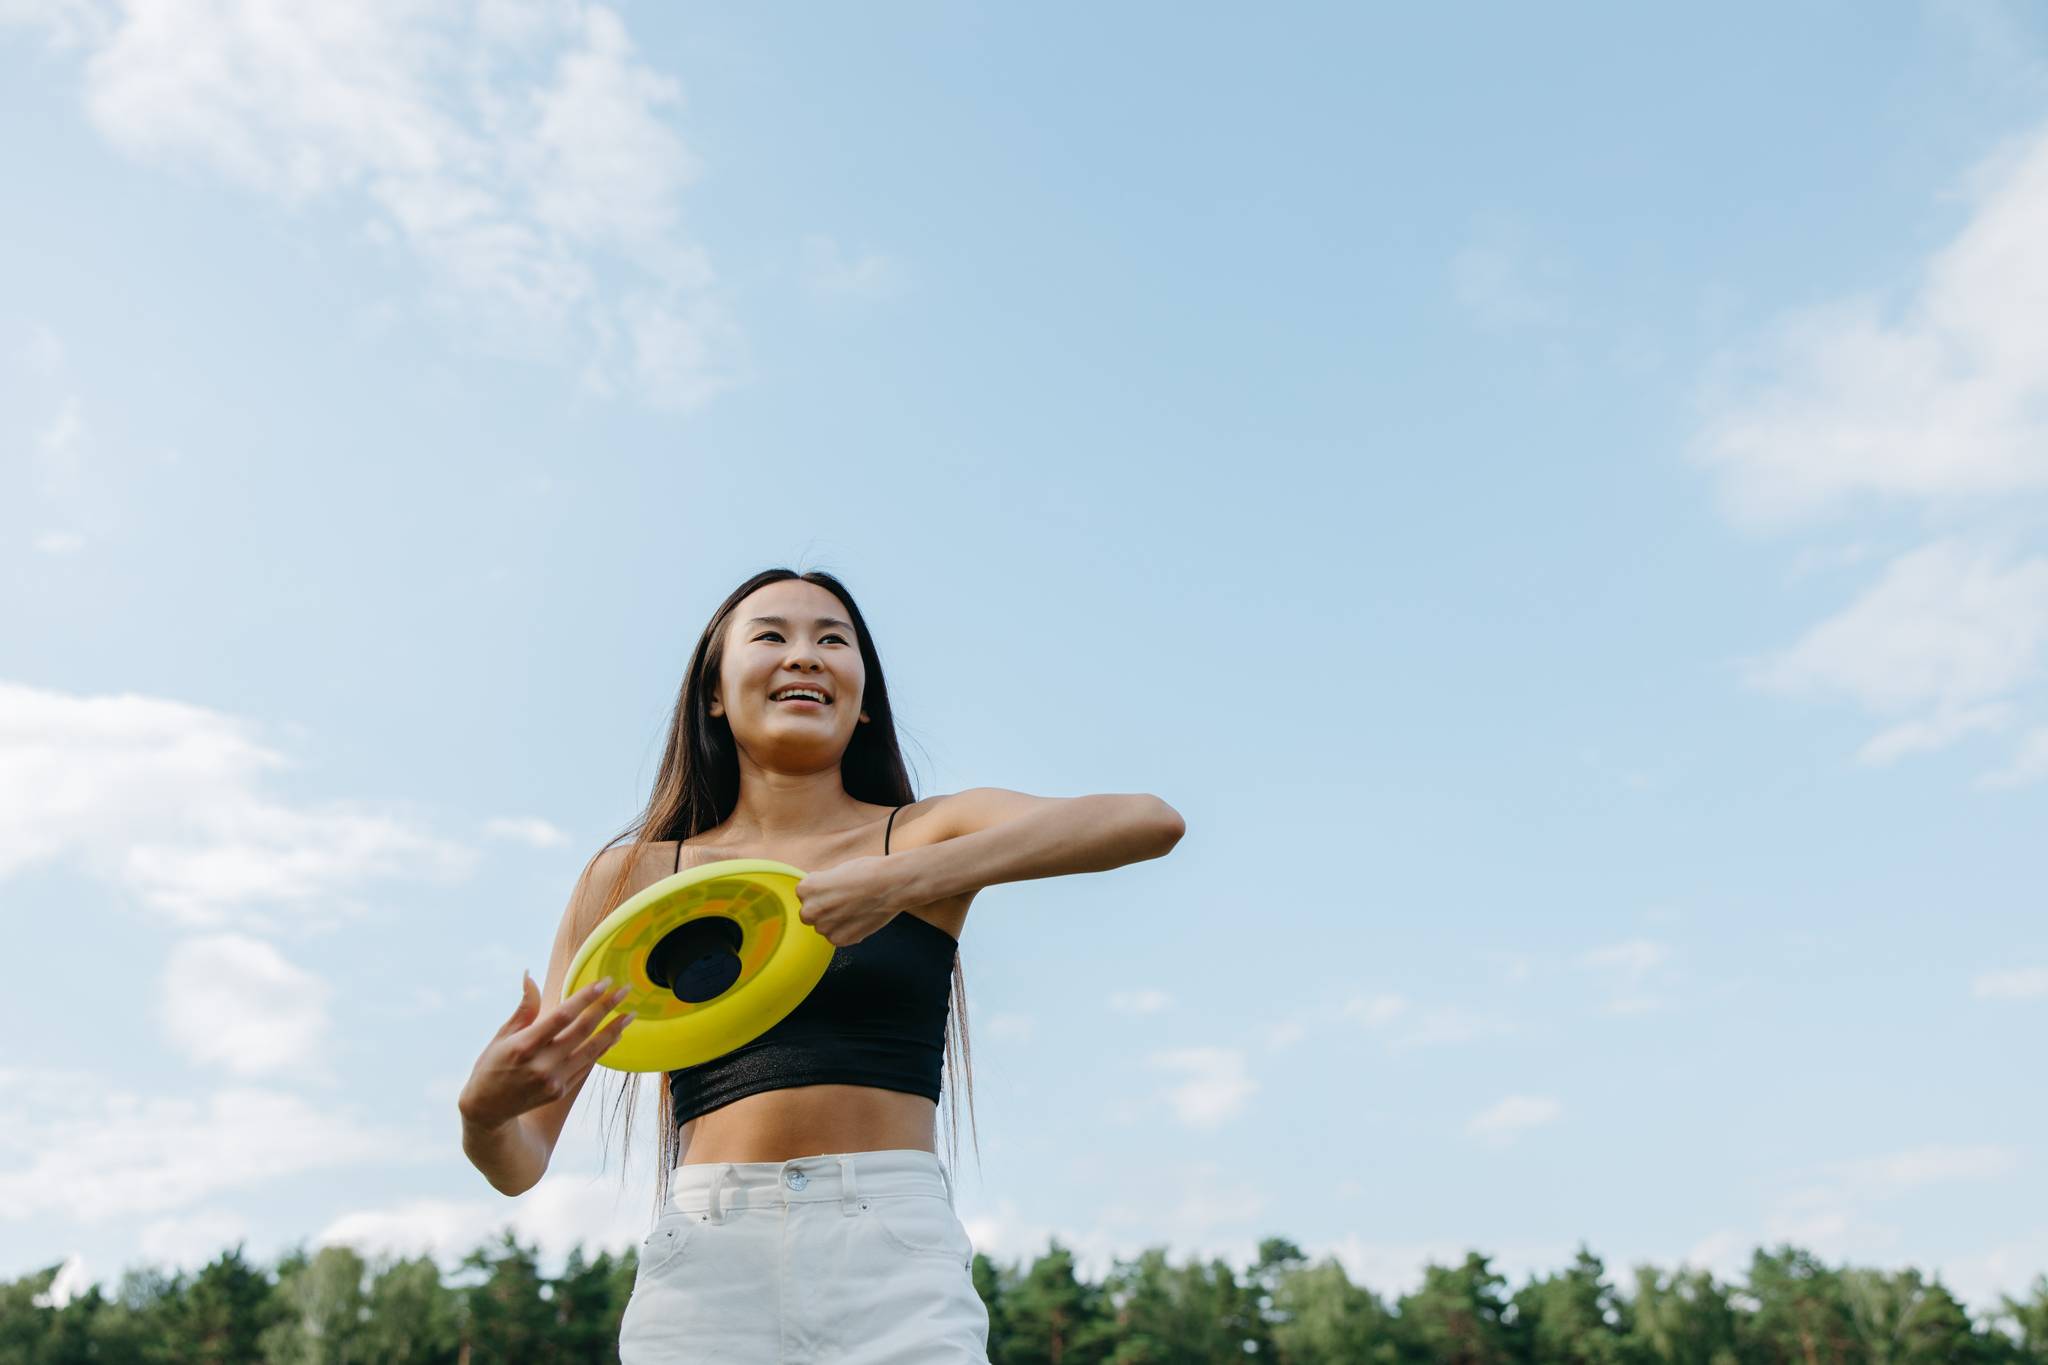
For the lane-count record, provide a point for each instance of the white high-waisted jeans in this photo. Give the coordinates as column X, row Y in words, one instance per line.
column 848, row 1258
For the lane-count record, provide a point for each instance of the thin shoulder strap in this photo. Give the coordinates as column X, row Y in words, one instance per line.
column 887, row 832
column 679, row 857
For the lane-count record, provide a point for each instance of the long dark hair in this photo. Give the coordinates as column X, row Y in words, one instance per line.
column 698, row 788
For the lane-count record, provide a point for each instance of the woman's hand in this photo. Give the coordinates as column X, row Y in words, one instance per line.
column 848, row 902
column 539, row 1056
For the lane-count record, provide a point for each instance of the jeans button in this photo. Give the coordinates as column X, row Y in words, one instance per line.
column 796, row 1180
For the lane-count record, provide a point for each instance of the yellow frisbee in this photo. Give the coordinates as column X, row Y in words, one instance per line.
column 716, row 956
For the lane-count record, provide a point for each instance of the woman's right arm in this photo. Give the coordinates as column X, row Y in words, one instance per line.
column 519, row 1095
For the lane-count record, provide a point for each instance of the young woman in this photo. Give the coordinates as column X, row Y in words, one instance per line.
column 807, row 1214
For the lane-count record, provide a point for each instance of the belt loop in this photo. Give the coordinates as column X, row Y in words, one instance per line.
column 947, row 1176
column 717, row 1179
column 849, row 1198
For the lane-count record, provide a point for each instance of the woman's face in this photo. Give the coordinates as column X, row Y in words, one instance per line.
column 806, row 641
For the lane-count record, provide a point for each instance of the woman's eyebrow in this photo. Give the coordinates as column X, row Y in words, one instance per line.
column 783, row 621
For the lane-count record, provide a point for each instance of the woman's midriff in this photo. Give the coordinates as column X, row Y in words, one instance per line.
column 808, row 1120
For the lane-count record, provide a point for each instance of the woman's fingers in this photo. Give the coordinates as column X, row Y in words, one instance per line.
column 599, row 1043
column 577, row 1027
column 556, row 1021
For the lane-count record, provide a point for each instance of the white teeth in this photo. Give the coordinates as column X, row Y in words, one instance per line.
column 809, row 694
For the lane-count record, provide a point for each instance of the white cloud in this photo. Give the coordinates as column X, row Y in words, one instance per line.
column 64, row 483
column 1216, row 1087
column 1374, row 1010
column 1015, row 1028
column 1147, row 1001
column 1931, row 733
column 2029, row 762
column 1831, row 1220
column 1981, row 1279
column 65, row 24
column 71, row 1280
column 1503, row 285
column 234, row 1001
column 1725, row 1252
column 526, row 829
column 1403, row 1024
column 1940, row 403
column 1632, row 958
column 1393, row 1269
column 828, row 271
column 1629, row 964
column 1943, row 398
column 1507, row 1120
column 1943, row 638
column 190, row 1240
column 563, row 1211
column 1286, row 1032
column 1833, row 1234
column 1447, row 1024
column 57, row 445
column 525, row 154
column 76, row 1147
column 602, row 166
column 671, row 351
column 1896, row 1172
column 165, row 800
column 2012, row 983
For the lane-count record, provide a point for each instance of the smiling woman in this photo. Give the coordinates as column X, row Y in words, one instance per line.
column 805, row 1160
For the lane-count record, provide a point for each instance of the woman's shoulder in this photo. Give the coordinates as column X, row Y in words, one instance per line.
column 938, row 818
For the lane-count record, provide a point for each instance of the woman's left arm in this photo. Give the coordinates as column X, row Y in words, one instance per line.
column 987, row 835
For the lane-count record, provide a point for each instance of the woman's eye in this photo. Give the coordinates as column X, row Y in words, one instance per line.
column 768, row 634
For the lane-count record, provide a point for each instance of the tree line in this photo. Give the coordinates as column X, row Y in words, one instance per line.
column 331, row 1307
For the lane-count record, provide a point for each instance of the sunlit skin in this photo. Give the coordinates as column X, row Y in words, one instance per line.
column 793, row 808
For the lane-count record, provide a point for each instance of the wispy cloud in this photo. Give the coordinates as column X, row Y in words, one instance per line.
column 1631, row 967
column 557, row 1215
column 2011, row 983
column 2029, row 762
column 829, row 270
column 523, row 153
column 1444, row 1024
column 1013, row 1028
column 1217, row 1083
column 168, row 801
column 1944, row 397
column 234, row 1001
column 1944, row 638
column 63, row 482
column 1503, row 284
column 1404, row 1025
column 1937, row 402
column 1502, row 1123
column 76, row 1147
column 1911, row 1168
column 1149, row 1000
column 526, row 829
column 1374, row 1010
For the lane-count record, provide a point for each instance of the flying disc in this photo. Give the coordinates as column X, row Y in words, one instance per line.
column 716, row 956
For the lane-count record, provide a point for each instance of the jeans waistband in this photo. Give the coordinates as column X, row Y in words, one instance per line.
column 717, row 1187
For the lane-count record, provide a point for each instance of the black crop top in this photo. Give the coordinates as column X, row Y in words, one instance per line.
column 877, row 1017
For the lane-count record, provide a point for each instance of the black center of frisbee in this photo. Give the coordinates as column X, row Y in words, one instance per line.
column 699, row 959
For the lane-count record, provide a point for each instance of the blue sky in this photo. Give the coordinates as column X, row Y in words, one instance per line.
column 1555, row 500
